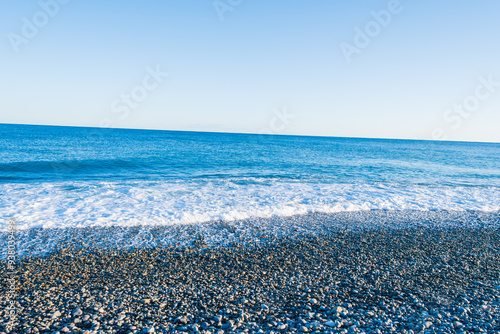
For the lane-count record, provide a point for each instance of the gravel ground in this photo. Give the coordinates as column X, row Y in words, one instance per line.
column 344, row 281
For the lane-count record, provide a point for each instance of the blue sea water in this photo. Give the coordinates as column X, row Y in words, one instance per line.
column 59, row 177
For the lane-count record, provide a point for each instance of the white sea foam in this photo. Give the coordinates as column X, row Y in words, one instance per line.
column 125, row 204
column 249, row 232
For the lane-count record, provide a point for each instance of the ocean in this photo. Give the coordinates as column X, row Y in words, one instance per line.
column 74, row 177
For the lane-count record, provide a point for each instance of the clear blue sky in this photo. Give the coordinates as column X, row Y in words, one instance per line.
column 233, row 74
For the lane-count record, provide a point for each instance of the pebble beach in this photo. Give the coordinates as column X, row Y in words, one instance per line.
column 338, row 275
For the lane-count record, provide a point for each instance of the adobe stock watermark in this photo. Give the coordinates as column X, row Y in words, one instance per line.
column 364, row 36
column 278, row 123
column 455, row 116
column 31, row 26
column 11, row 271
column 121, row 107
column 223, row 6
column 127, row 102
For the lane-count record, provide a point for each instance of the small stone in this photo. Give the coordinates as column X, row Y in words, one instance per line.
column 56, row 314
column 77, row 312
column 65, row 330
column 331, row 324
column 338, row 309
column 228, row 324
column 181, row 320
column 313, row 301
column 264, row 307
column 146, row 301
column 148, row 330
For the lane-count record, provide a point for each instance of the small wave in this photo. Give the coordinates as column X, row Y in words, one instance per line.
column 163, row 203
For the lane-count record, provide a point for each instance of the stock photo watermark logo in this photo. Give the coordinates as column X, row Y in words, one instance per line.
column 364, row 36
column 11, row 259
column 131, row 100
column 122, row 107
column 31, row 27
column 455, row 116
column 278, row 123
column 223, row 6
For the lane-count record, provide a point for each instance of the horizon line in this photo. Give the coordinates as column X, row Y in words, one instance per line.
column 252, row 133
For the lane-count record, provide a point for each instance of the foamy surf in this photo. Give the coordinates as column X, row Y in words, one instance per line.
column 162, row 203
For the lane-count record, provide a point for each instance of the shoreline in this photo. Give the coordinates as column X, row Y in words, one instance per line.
column 251, row 231
column 341, row 280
